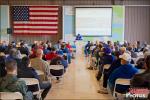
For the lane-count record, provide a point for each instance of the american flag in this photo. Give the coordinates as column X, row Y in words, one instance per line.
column 35, row 20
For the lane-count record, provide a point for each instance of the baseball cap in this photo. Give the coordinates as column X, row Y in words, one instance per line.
column 125, row 57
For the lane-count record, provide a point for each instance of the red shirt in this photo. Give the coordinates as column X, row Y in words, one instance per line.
column 69, row 47
column 50, row 56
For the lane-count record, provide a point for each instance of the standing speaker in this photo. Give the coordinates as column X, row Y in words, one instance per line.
column 9, row 31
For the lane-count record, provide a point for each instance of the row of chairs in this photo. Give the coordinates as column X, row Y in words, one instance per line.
column 119, row 81
column 32, row 81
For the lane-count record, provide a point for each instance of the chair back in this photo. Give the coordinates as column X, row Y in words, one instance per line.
column 120, row 81
column 106, row 66
column 12, row 95
column 55, row 69
column 30, row 81
column 65, row 54
column 142, row 70
column 23, row 55
column 33, row 81
column 140, row 54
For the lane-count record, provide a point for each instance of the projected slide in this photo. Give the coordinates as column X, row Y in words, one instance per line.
column 93, row 21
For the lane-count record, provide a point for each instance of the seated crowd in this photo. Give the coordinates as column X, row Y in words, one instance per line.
column 125, row 61
column 20, row 60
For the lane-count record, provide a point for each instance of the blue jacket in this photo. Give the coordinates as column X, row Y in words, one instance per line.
column 87, row 46
column 124, row 71
column 107, row 59
column 116, row 64
column 46, row 51
column 65, row 50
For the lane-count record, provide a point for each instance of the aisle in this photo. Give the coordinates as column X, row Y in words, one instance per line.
column 79, row 83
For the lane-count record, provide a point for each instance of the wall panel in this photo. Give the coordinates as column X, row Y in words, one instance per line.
column 137, row 23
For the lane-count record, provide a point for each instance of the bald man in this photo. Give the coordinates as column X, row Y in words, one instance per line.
column 39, row 64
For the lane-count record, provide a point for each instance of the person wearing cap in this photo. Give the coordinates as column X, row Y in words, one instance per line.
column 126, row 70
column 107, row 58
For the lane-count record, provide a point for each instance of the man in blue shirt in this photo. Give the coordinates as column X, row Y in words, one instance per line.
column 87, row 49
column 126, row 70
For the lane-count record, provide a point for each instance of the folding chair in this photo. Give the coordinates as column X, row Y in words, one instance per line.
column 120, row 81
column 33, row 81
column 23, row 55
column 106, row 66
column 140, row 54
column 10, row 95
column 93, row 62
column 56, row 68
column 89, row 59
column 141, row 70
column 136, row 59
column 65, row 54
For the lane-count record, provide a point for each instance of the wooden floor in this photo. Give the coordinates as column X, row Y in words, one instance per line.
column 78, row 83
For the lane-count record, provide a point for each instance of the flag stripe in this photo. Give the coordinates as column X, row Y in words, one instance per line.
column 44, row 10
column 43, row 20
column 50, row 18
column 35, row 24
column 35, row 33
column 35, row 27
column 43, row 13
column 29, row 31
column 40, row 8
column 40, row 29
column 44, row 6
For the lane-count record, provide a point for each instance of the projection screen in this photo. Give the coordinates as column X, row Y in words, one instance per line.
column 93, row 21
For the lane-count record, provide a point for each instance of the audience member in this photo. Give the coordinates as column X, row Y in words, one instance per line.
column 142, row 80
column 14, row 54
column 39, row 64
column 23, row 49
column 67, row 52
column 107, row 58
column 45, row 49
column 87, row 49
column 122, row 50
column 28, row 72
column 116, row 64
column 133, row 54
column 51, row 54
column 12, row 84
column 126, row 70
